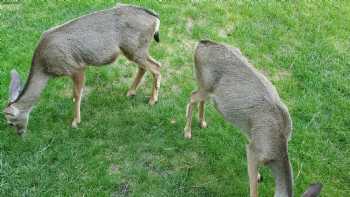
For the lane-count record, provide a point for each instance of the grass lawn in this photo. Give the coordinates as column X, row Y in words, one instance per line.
column 124, row 147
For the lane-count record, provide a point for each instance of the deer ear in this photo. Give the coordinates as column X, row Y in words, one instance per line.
column 15, row 85
column 313, row 191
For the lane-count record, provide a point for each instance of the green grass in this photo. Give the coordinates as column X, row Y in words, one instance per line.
column 126, row 148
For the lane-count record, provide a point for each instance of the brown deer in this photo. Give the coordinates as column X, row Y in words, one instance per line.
column 94, row 39
column 247, row 99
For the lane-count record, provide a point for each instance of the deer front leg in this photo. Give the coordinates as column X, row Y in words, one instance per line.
column 78, row 80
column 135, row 84
column 252, row 172
column 202, row 122
column 195, row 98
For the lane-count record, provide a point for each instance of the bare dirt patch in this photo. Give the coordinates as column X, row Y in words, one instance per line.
column 67, row 91
column 9, row 6
column 123, row 190
column 189, row 25
column 226, row 31
column 114, row 169
column 281, row 74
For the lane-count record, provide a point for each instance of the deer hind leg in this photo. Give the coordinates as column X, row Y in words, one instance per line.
column 78, row 80
column 195, row 98
column 141, row 56
column 201, row 114
column 253, row 173
column 154, row 68
column 137, row 80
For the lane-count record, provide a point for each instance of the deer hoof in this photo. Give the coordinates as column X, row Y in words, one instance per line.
column 260, row 178
column 131, row 93
column 75, row 124
column 188, row 133
column 203, row 125
column 152, row 102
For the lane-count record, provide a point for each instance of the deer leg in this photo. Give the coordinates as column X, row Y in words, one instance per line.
column 195, row 98
column 252, row 171
column 202, row 122
column 188, row 127
column 260, row 178
column 154, row 67
column 155, row 88
column 78, row 80
column 135, row 84
column 282, row 172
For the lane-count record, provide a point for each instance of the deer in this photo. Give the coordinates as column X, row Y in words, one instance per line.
column 248, row 100
column 94, row 39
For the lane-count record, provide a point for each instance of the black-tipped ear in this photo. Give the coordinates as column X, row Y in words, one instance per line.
column 15, row 85
column 313, row 191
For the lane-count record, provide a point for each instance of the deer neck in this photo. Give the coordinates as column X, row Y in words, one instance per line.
column 31, row 92
column 282, row 172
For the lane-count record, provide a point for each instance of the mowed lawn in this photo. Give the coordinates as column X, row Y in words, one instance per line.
column 124, row 147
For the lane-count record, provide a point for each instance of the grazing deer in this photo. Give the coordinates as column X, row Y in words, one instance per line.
column 94, row 39
column 248, row 100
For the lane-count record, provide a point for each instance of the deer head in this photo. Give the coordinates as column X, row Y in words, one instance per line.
column 15, row 116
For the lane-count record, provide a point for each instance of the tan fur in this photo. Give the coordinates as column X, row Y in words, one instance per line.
column 248, row 100
column 94, row 39
column 78, row 80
